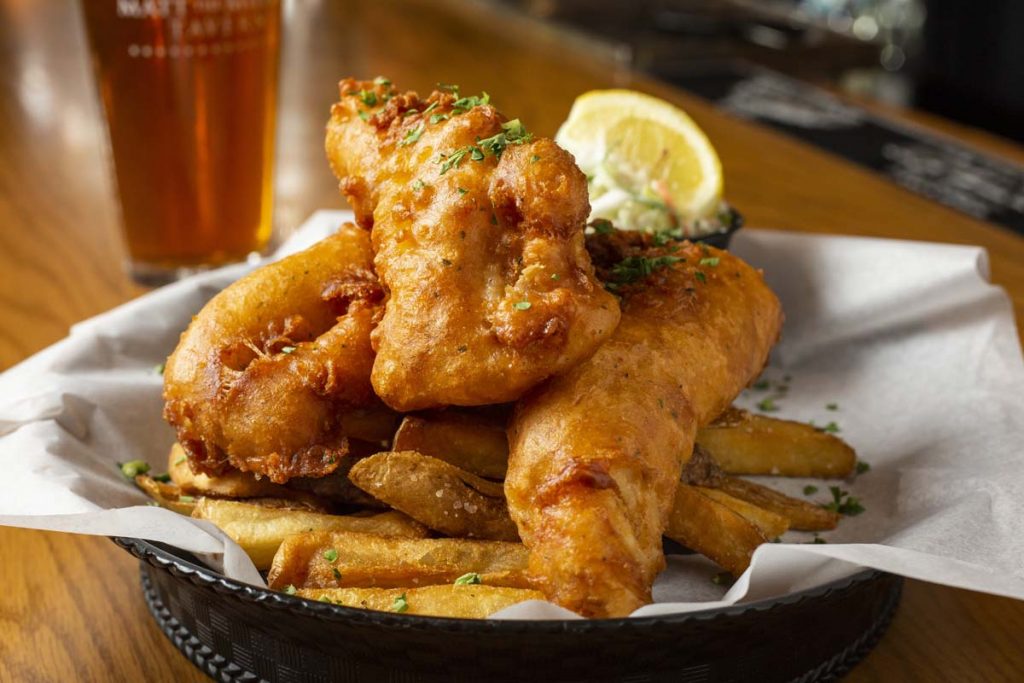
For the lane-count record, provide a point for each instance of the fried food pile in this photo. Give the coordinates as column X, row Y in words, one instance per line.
column 454, row 365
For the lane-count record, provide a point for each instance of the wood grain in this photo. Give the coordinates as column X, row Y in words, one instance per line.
column 71, row 608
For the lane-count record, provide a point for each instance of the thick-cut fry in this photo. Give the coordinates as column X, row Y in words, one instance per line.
column 713, row 529
column 771, row 524
column 470, row 441
column 169, row 496
column 702, row 470
column 260, row 529
column 437, row 494
column 802, row 515
column 345, row 559
column 743, row 443
column 463, row 602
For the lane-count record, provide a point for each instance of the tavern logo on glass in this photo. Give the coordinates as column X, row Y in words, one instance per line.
column 197, row 28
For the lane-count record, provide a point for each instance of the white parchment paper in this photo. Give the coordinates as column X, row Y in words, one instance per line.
column 905, row 346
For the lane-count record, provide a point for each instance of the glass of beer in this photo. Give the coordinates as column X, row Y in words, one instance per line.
column 189, row 88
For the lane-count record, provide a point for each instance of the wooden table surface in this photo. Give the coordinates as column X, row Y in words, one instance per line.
column 70, row 607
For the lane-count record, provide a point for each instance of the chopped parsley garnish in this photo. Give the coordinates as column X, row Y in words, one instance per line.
column 522, row 305
column 535, row 158
column 448, row 87
column 337, row 574
column 159, row 369
column 412, row 136
column 367, row 97
column 701, row 276
column 331, row 555
column 602, row 227
column 364, row 115
column 133, row 468
column 831, row 428
column 810, row 490
column 287, row 349
column 186, row 499
column 832, row 406
column 380, row 80
column 863, row 467
column 633, row 268
column 290, row 589
column 162, row 478
column 472, row 578
column 556, row 276
column 710, row 261
column 180, row 460
column 512, row 133
column 450, row 161
column 843, row 503
column 663, row 237
column 767, row 405
column 430, row 108
column 723, row 579
column 462, row 190
column 762, row 385
column 400, row 604
column 418, row 185
column 438, row 118
column 464, row 104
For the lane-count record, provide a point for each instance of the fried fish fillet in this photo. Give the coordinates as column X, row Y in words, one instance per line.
column 595, row 454
column 262, row 379
column 478, row 234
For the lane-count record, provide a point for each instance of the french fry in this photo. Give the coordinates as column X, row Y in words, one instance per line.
column 166, row 495
column 702, row 470
column 343, row 559
column 744, row 443
column 469, row 441
column 463, row 602
column 802, row 515
column 437, row 494
column 713, row 529
column 260, row 527
column 771, row 524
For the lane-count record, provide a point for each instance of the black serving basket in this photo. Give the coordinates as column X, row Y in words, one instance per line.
column 237, row 632
column 721, row 240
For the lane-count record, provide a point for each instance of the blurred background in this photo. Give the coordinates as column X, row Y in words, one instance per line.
column 961, row 60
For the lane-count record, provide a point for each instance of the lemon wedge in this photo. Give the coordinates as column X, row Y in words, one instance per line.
column 648, row 164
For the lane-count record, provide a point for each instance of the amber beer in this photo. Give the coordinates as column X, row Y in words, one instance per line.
column 189, row 88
